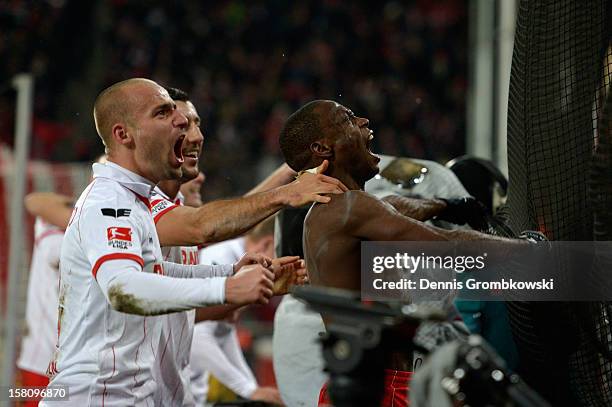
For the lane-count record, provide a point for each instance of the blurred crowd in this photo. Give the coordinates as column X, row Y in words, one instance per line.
column 247, row 65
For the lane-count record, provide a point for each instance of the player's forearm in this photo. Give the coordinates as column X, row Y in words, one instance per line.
column 460, row 234
column 419, row 209
column 129, row 290
column 283, row 175
column 197, row 271
column 404, row 228
column 226, row 219
column 51, row 207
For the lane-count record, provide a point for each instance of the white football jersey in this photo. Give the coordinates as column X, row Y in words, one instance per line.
column 112, row 277
column 105, row 356
column 172, row 371
column 38, row 343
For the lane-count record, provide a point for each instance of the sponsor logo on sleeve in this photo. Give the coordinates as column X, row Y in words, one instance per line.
column 119, row 237
column 116, row 213
column 159, row 206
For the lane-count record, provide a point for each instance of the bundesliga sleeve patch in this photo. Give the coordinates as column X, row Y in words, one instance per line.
column 160, row 207
column 119, row 237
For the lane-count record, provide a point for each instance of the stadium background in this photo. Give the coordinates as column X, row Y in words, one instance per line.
column 428, row 75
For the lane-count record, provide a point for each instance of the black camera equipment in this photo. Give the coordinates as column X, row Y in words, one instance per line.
column 360, row 339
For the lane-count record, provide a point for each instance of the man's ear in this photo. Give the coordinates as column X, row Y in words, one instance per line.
column 121, row 135
column 321, row 149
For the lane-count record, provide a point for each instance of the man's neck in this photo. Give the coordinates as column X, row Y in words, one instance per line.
column 170, row 187
column 132, row 166
column 346, row 178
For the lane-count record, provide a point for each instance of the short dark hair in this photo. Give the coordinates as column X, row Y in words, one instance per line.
column 177, row 94
column 300, row 131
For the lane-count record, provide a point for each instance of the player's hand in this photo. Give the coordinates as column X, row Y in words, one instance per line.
column 464, row 210
column 252, row 258
column 288, row 271
column 251, row 284
column 310, row 187
column 267, row 394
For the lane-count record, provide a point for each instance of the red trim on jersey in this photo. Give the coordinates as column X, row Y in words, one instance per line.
column 111, row 376
column 156, row 201
column 144, row 200
column 116, row 256
column 168, row 339
column 162, row 213
column 144, row 329
column 46, row 234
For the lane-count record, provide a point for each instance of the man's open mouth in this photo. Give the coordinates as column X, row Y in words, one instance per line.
column 370, row 141
column 194, row 154
column 178, row 149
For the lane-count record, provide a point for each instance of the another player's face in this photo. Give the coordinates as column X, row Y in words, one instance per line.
column 352, row 140
column 159, row 133
column 192, row 145
column 191, row 190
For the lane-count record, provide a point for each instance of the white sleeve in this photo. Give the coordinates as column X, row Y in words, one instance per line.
column 129, row 290
column 197, row 271
column 207, row 355
column 113, row 246
column 232, row 349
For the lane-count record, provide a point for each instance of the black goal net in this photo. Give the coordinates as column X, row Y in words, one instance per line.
column 560, row 172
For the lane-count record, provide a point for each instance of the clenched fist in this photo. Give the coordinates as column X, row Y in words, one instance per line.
column 251, row 284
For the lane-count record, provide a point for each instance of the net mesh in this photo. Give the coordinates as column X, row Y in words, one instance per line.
column 560, row 169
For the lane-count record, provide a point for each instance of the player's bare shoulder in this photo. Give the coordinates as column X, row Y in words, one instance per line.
column 342, row 210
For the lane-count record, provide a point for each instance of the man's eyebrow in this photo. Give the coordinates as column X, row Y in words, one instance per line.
column 165, row 106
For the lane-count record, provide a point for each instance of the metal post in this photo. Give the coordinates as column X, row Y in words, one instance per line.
column 24, row 83
column 507, row 24
column 479, row 140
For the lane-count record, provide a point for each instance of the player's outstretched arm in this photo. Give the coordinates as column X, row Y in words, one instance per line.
column 225, row 219
column 373, row 219
column 53, row 208
column 129, row 290
column 215, row 270
column 455, row 210
column 419, row 209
